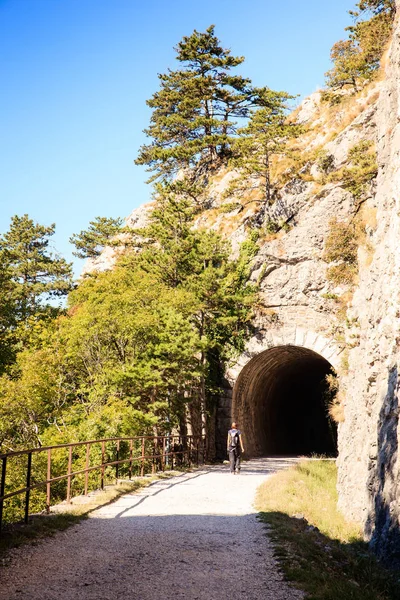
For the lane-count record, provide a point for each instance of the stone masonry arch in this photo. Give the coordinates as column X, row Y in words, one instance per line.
column 275, row 391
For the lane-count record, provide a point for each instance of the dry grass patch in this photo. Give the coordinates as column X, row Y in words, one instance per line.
column 319, row 551
column 309, row 489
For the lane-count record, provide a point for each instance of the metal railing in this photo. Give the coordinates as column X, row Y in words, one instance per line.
column 128, row 455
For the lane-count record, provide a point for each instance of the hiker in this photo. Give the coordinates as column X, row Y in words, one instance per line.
column 235, row 448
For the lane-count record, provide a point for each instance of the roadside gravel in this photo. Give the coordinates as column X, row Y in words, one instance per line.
column 195, row 537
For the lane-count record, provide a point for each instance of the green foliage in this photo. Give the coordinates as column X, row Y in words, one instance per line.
column 362, row 170
column 272, row 227
column 198, row 261
column 325, row 162
column 357, row 59
column 99, row 234
column 349, row 66
column 131, row 338
column 331, row 97
column 229, row 207
column 195, row 110
column 341, row 249
column 30, row 397
column 31, row 277
column 139, row 343
column 37, row 274
column 266, row 135
column 8, row 317
column 377, row 7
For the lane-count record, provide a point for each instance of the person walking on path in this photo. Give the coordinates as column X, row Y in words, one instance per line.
column 235, row 448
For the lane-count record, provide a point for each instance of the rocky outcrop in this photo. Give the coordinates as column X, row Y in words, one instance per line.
column 296, row 310
column 369, row 463
column 297, row 304
column 136, row 220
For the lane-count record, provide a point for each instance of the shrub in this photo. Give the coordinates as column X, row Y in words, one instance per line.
column 362, row 170
column 229, row 207
column 341, row 249
column 326, row 162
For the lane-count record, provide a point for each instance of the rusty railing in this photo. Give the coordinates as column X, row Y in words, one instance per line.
column 128, row 455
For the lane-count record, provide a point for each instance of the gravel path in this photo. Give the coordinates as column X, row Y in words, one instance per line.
column 195, row 536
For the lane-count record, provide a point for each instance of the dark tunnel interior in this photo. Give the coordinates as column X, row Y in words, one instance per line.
column 280, row 403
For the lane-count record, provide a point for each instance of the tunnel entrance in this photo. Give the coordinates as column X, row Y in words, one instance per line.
column 279, row 402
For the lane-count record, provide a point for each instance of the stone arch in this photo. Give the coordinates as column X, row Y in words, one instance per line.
column 284, row 371
column 287, row 336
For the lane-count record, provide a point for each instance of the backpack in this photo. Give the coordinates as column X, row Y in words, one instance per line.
column 234, row 438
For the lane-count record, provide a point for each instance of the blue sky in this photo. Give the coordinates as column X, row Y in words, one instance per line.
column 76, row 74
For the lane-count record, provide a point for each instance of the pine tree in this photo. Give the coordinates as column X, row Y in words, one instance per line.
column 196, row 109
column 265, row 136
column 357, row 59
column 170, row 244
column 376, row 7
column 7, row 318
column 197, row 262
column 100, row 233
column 349, row 66
column 36, row 273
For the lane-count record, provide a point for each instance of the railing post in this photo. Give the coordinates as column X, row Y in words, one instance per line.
column 28, row 486
column 48, row 485
column 69, row 475
column 87, row 463
column 102, row 465
column 117, row 465
column 172, row 453
column 204, row 451
column 130, row 458
column 2, row 486
column 163, row 454
column 153, row 464
column 189, row 449
column 197, row 451
column 142, row 467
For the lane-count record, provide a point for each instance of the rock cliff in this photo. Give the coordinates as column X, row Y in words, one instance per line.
column 369, row 464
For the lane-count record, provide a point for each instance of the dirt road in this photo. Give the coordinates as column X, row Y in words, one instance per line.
column 193, row 537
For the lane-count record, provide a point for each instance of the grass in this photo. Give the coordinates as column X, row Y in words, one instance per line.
column 66, row 515
column 319, row 551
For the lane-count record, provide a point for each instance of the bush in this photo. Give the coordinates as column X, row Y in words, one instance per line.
column 229, row 207
column 326, row 162
column 362, row 170
column 341, row 248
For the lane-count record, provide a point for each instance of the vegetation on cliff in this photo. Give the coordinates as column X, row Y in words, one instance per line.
column 356, row 60
column 196, row 111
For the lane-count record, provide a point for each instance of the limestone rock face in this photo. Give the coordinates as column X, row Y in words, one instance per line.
column 308, row 108
column 297, row 305
column 369, row 462
column 136, row 220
